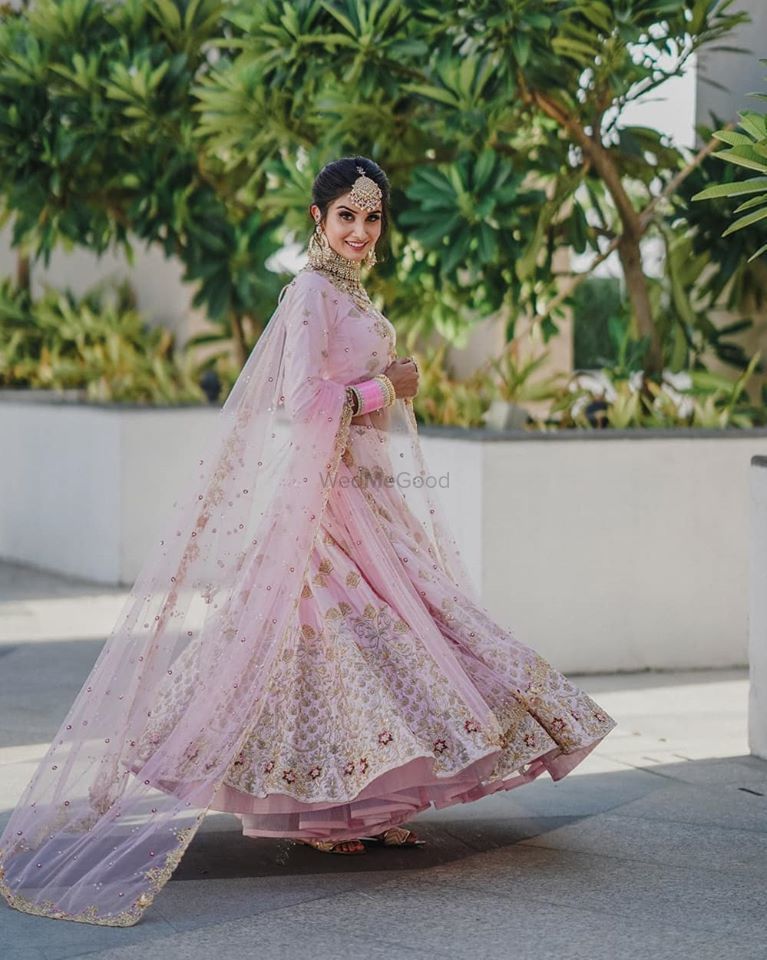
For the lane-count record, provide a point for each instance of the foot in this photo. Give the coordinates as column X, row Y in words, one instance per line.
column 396, row 837
column 336, row 846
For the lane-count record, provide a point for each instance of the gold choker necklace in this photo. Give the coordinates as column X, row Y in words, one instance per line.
column 341, row 271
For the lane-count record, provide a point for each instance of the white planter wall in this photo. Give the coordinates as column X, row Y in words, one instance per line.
column 621, row 554
column 757, row 653
column 84, row 489
column 604, row 552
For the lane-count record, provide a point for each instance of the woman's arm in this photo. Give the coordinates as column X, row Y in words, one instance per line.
column 307, row 381
column 308, row 388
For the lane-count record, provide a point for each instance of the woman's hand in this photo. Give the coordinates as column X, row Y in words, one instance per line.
column 404, row 376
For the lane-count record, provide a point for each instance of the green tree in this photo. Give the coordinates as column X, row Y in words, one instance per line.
column 199, row 124
column 578, row 64
column 97, row 145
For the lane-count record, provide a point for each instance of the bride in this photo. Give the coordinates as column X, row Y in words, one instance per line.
column 303, row 647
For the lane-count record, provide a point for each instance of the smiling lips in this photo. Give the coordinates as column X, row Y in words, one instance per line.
column 356, row 246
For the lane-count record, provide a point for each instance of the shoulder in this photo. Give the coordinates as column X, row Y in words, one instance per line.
column 311, row 289
column 306, row 280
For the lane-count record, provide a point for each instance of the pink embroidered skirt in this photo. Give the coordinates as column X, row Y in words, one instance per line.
column 361, row 727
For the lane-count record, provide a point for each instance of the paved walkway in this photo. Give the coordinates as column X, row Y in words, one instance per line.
column 655, row 848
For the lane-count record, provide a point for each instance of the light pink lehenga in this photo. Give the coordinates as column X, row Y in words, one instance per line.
column 302, row 648
column 361, row 727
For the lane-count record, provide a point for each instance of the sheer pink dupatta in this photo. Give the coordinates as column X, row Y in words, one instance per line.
column 131, row 771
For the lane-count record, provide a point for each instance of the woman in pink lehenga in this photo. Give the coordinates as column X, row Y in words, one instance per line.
column 305, row 648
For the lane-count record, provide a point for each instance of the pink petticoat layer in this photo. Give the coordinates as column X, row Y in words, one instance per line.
column 391, row 799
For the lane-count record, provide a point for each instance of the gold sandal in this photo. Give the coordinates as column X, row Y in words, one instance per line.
column 396, row 837
column 329, row 846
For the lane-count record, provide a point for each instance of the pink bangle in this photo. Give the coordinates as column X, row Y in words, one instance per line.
column 372, row 394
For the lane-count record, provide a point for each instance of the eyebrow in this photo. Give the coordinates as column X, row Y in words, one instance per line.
column 342, row 206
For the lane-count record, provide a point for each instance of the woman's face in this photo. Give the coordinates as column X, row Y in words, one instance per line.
column 351, row 231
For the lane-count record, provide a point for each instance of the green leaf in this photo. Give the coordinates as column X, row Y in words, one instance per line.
column 433, row 93
column 739, row 156
column 750, row 204
column 733, row 138
column 745, row 221
column 754, row 124
column 720, row 190
column 483, row 168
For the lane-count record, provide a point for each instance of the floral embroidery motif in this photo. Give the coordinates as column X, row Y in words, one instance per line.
column 324, row 570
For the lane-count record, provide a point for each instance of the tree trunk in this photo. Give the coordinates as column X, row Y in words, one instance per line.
column 631, row 222
column 23, row 272
column 238, row 333
column 629, row 253
column 636, row 287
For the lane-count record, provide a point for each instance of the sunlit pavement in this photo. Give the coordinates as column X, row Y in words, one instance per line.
column 656, row 847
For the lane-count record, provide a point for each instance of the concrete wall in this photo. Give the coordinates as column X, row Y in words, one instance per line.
column 616, row 553
column 603, row 551
column 737, row 74
column 84, row 488
column 757, row 642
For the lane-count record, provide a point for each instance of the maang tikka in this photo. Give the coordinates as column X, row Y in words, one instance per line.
column 366, row 194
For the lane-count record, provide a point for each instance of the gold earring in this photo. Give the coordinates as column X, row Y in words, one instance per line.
column 324, row 243
column 370, row 258
column 319, row 248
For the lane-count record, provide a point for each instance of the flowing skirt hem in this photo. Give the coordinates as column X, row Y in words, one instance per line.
column 392, row 798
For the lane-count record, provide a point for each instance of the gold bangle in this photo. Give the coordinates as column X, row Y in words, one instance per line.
column 353, row 392
column 387, row 387
column 391, row 393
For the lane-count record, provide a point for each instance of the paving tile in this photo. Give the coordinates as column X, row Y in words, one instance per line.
column 22, row 953
column 65, row 938
column 741, row 806
column 408, row 918
column 705, row 899
column 739, row 770
column 191, row 905
column 677, row 844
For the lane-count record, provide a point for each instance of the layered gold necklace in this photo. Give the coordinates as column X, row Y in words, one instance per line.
column 341, row 271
